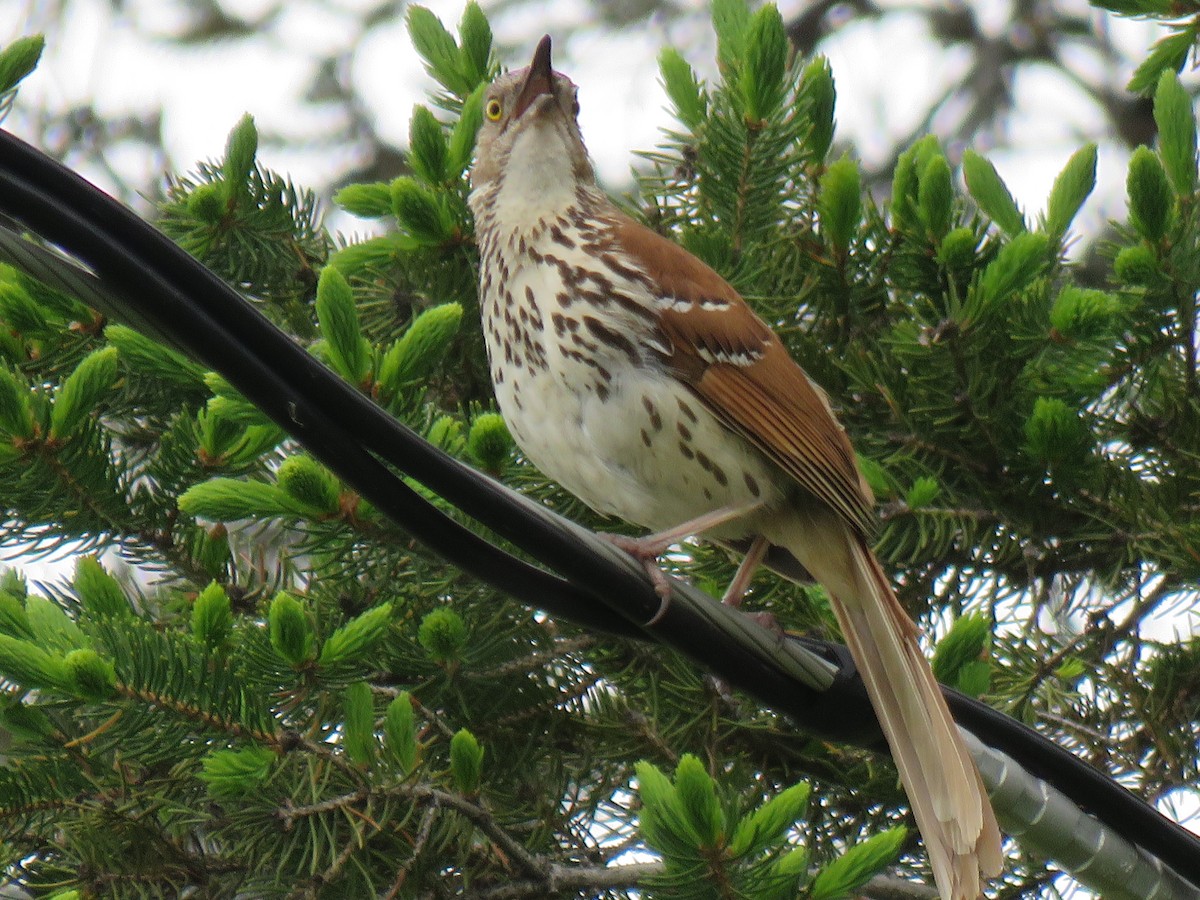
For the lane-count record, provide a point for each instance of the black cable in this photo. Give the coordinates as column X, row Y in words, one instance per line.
column 177, row 296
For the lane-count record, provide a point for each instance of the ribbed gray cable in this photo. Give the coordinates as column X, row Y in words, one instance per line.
column 1048, row 824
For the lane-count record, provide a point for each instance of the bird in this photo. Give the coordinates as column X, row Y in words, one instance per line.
column 635, row 376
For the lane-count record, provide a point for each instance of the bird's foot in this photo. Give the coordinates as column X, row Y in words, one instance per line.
column 647, row 550
column 768, row 621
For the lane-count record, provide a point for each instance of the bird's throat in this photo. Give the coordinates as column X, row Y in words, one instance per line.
column 540, row 181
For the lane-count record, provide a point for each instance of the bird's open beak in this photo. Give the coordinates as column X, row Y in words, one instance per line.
column 539, row 80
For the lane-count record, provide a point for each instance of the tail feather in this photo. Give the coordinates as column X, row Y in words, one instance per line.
column 947, row 795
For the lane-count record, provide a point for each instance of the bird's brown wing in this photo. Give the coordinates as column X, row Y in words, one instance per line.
column 741, row 371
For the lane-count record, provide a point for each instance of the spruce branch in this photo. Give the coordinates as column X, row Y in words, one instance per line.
column 420, row 841
column 193, row 713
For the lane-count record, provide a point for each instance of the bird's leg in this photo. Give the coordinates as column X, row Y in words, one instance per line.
column 650, row 547
column 736, row 592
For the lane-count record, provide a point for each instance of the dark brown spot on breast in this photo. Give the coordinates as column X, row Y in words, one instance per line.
column 560, row 237
column 531, row 300
column 632, row 306
column 751, row 484
column 603, row 285
column 686, row 409
column 684, row 431
column 652, row 411
column 570, row 275
column 612, row 338
column 593, row 297
column 580, row 341
column 621, row 268
column 645, row 437
column 686, row 451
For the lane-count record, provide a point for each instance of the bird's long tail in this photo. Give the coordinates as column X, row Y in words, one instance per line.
column 947, row 795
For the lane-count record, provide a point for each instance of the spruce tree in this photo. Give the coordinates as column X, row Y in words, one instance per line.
column 302, row 701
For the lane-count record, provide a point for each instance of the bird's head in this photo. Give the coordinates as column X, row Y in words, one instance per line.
column 529, row 129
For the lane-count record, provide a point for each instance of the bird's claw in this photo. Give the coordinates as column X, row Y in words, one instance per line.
column 647, row 553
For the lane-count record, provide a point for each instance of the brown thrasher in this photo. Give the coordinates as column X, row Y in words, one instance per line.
column 635, row 376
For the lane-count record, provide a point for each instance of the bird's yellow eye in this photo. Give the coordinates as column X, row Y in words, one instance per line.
column 493, row 110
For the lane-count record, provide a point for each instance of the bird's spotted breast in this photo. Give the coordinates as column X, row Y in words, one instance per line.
column 577, row 364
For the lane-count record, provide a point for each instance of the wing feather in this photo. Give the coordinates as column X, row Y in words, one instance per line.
column 741, row 371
